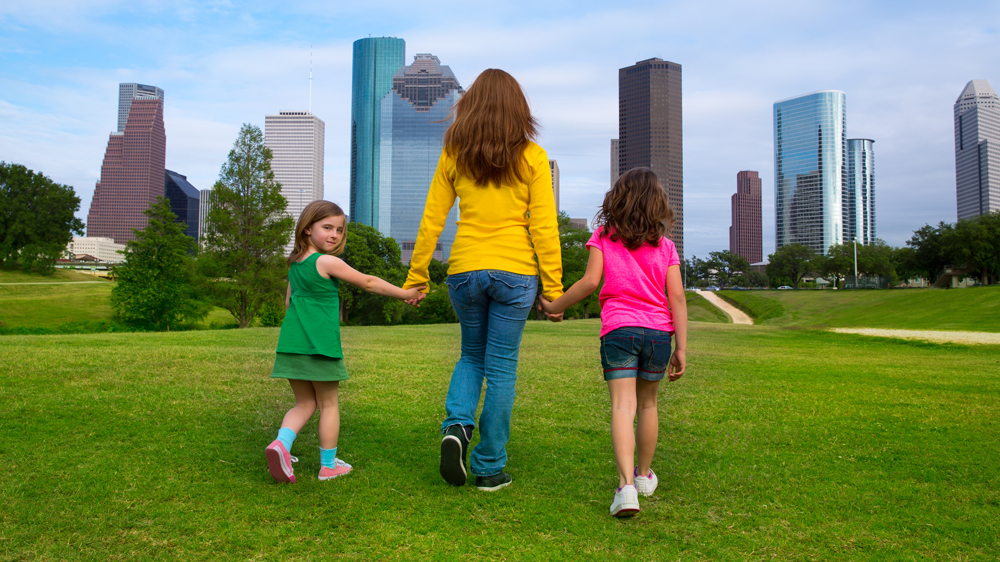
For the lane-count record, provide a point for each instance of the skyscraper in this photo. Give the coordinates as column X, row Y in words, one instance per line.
column 810, row 141
column 614, row 162
column 296, row 140
column 133, row 173
column 650, row 130
column 414, row 117
column 204, row 206
column 859, row 194
column 745, row 233
column 132, row 91
column 977, row 150
column 554, row 169
column 183, row 202
column 376, row 60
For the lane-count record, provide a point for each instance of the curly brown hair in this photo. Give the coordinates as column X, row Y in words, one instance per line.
column 493, row 124
column 636, row 210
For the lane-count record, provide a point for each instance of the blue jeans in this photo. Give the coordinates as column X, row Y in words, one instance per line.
column 492, row 307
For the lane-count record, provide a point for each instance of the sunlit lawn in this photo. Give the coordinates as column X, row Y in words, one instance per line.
column 778, row 444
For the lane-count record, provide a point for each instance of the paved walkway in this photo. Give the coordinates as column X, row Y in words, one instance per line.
column 56, row 283
column 738, row 316
column 988, row 338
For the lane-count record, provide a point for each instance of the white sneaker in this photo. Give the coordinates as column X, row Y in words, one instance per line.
column 626, row 502
column 646, row 485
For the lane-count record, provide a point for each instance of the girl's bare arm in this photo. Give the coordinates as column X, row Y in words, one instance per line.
column 678, row 310
column 582, row 288
column 333, row 266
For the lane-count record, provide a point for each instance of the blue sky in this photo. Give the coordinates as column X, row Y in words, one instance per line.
column 221, row 64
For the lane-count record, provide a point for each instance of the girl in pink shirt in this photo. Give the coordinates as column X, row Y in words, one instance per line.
column 637, row 261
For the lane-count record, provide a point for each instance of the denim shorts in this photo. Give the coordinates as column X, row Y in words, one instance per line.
column 627, row 353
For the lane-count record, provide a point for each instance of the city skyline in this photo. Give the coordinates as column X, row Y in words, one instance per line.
column 224, row 67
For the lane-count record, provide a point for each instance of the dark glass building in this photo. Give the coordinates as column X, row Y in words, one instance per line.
column 745, row 233
column 376, row 60
column 810, row 178
column 414, row 118
column 650, row 131
column 184, row 202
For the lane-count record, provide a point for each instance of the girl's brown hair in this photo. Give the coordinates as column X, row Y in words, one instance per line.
column 636, row 210
column 315, row 211
column 493, row 124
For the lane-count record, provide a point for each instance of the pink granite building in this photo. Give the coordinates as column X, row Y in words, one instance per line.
column 745, row 233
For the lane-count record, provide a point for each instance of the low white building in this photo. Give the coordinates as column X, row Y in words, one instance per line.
column 104, row 249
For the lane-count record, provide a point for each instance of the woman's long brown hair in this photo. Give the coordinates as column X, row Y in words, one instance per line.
column 493, row 124
column 315, row 211
column 636, row 210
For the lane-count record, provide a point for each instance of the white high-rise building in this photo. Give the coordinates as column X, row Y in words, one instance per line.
column 204, row 206
column 132, row 91
column 977, row 150
column 296, row 140
column 554, row 168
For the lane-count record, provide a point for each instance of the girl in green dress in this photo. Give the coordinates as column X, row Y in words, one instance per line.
column 309, row 353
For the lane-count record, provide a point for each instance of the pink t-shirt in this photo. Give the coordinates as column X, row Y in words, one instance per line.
column 635, row 283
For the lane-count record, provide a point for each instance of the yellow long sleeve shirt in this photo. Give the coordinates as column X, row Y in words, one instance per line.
column 494, row 224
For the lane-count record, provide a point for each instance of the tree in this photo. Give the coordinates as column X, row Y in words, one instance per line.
column 156, row 284
column 246, row 230
column 790, row 262
column 875, row 259
column 930, row 256
column 575, row 256
column 837, row 263
column 975, row 245
column 369, row 252
column 437, row 271
column 36, row 218
column 729, row 269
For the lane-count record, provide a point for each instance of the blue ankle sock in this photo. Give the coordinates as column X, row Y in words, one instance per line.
column 287, row 437
column 328, row 457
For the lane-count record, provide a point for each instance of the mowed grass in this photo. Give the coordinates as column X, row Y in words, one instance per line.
column 975, row 309
column 700, row 310
column 777, row 444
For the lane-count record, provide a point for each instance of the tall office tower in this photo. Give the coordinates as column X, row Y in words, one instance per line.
column 376, row 60
column 132, row 175
column 977, row 150
column 133, row 91
column 296, row 140
column 204, row 205
column 859, row 193
column 414, row 117
column 650, row 132
column 614, row 162
column 809, row 162
column 745, row 233
column 554, row 169
column 183, row 202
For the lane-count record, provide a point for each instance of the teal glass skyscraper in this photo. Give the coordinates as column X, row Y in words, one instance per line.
column 415, row 115
column 810, row 142
column 376, row 59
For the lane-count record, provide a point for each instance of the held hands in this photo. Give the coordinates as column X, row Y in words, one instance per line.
column 545, row 306
column 414, row 295
column 677, row 366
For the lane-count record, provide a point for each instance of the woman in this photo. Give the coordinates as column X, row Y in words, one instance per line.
column 507, row 219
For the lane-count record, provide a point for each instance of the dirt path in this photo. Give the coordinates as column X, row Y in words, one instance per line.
column 738, row 316
column 935, row 336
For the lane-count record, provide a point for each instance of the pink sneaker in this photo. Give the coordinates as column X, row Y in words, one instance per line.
column 280, row 462
column 341, row 468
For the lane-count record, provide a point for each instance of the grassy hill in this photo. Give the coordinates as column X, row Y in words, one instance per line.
column 973, row 309
column 777, row 444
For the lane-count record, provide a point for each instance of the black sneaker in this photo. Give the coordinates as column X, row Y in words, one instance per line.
column 493, row 483
column 453, row 449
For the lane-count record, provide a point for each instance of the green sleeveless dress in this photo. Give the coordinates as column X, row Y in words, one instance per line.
column 309, row 343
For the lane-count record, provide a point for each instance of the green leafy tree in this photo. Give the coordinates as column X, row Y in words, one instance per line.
column 156, row 287
column 246, row 231
column 791, row 262
column 369, row 252
column 575, row 255
column 838, row 262
column 36, row 218
column 930, row 254
column 437, row 271
column 729, row 269
column 434, row 309
column 975, row 245
column 904, row 262
column 875, row 259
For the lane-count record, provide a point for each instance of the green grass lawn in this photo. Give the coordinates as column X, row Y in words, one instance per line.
column 700, row 310
column 777, row 445
column 975, row 309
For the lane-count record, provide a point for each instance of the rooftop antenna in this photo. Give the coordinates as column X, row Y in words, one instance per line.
column 310, row 79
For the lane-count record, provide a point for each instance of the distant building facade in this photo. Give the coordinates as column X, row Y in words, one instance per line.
column 745, row 236
column 376, row 60
column 132, row 91
column 977, row 150
column 810, row 141
column 133, row 172
column 104, row 249
column 859, row 194
column 554, row 169
column 296, row 140
column 579, row 223
column 414, row 117
column 183, row 201
column 614, row 162
column 204, row 205
column 650, row 130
